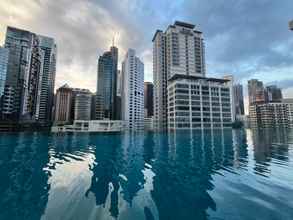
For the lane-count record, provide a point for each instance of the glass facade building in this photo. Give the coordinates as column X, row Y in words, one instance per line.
column 19, row 43
column 238, row 99
column 148, row 99
column 4, row 52
column 29, row 85
column 107, row 85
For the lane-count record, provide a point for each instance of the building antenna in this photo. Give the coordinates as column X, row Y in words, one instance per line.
column 113, row 39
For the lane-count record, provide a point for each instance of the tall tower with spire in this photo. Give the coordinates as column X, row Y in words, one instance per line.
column 107, row 84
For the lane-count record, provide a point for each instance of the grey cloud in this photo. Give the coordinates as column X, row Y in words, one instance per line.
column 284, row 84
column 251, row 27
column 241, row 36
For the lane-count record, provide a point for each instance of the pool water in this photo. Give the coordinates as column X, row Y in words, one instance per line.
column 201, row 174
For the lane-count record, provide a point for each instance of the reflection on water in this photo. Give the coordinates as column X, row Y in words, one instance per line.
column 209, row 174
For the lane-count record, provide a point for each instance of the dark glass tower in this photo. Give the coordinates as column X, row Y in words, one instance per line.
column 149, row 99
column 47, row 79
column 238, row 99
column 273, row 94
column 18, row 93
column 29, row 85
column 107, row 85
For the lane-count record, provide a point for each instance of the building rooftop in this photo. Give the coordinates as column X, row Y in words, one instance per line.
column 184, row 24
column 157, row 31
column 179, row 76
column 289, row 100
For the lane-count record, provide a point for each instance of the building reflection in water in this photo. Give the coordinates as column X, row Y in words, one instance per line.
column 106, row 169
column 24, row 178
column 131, row 175
column 175, row 169
column 268, row 145
column 184, row 171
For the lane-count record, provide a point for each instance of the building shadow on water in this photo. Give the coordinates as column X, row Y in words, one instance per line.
column 270, row 144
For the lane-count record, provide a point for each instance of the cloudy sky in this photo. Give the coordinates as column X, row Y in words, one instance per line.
column 246, row 38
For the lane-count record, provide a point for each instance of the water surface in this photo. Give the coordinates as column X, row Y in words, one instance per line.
column 210, row 174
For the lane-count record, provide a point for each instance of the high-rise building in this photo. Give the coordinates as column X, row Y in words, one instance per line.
column 266, row 106
column 82, row 106
column 4, row 52
column 20, row 44
column 118, row 102
column 73, row 104
column 28, row 93
column 149, row 99
column 238, row 99
column 119, row 83
column 63, row 104
column 183, row 97
column 177, row 51
column 133, row 91
column 46, row 84
column 256, row 92
column 273, row 94
column 289, row 103
column 107, row 84
column 270, row 115
column 230, row 78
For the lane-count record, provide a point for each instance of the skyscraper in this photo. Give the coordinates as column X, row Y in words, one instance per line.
column 63, row 104
column 72, row 104
column 16, row 96
column 133, row 91
column 118, row 102
column 182, row 93
column 256, row 92
column 177, row 51
column 46, row 79
column 238, row 99
column 28, row 93
column 232, row 97
column 4, row 52
column 107, row 84
column 273, row 94
column 148, row 99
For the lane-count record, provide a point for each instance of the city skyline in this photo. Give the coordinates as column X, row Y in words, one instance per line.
column 263, row 53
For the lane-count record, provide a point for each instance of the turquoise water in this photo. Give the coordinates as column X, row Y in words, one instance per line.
column 220, row 174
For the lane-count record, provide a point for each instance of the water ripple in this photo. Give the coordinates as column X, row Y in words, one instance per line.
column 209, row 174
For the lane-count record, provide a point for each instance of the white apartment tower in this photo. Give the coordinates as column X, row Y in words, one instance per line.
column 178, row 50
column 133, row 91
column 183, row 97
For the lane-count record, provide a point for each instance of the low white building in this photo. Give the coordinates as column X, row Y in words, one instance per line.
column 91, row 126
column 199, row 102
column 82, row 106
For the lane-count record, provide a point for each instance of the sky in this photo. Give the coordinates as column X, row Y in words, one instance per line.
column 245, row 38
